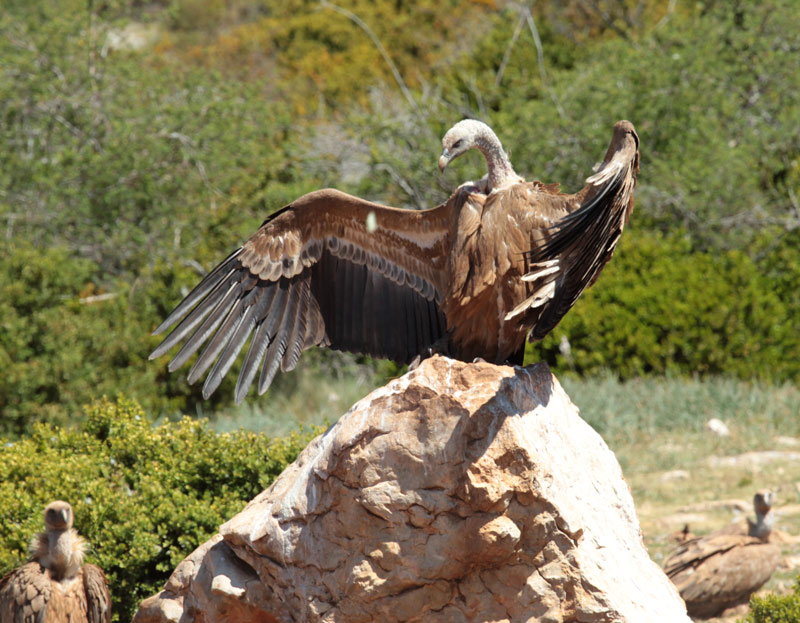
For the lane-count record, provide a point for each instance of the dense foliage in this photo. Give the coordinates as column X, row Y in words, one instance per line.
column 126, row 171
column 141, row 141
column 144, row 497
column 775, row 608
column 663, row 308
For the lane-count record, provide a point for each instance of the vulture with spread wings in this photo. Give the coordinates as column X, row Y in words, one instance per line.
column 499, row 260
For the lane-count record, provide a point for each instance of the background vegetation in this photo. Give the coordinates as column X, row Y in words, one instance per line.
column 775, row 608
column 141, row 141
column 143, row 496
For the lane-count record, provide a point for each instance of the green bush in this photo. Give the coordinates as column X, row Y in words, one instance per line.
column 126, row 173
column 775, row 608
column 144, row 496
column 64, row 339
column 661, row 308
column 723, row 167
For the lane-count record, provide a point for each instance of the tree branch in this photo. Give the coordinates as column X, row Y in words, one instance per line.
column 540, row 55
column 361, row 24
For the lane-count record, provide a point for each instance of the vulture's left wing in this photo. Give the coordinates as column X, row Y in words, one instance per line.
column 98, row 599
column 329, row 269
column 584, row 241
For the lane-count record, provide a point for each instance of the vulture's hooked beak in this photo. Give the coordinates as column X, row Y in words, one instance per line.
column 444, row 159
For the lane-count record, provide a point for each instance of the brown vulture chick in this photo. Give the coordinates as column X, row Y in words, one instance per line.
column 722, row 569
column 55, row 586
column 470, row 278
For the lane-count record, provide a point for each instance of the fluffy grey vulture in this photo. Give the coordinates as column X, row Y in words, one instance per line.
column 470, row 278
column 722, row 569
column 55, row 586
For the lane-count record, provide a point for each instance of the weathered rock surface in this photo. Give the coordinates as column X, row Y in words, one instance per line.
column 459, row 492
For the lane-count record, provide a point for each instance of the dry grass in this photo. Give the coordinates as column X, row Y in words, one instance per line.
column 681, row 473
column 307, row 397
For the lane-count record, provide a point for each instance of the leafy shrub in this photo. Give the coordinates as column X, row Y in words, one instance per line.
column 721, row 168
column 65, row 340
column 144, row 496
column 120, row 164
column 775, row 608
column 314, row 51
column 660, row 308
column 141, row 169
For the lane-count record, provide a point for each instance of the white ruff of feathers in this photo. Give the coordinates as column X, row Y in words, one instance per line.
column 59, row 551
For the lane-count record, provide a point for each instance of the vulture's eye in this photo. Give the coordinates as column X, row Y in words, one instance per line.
column 457, row 144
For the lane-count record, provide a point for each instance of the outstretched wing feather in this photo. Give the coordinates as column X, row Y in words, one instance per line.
column 584, row 240
column 296, row 336
column 225, row 331
column 313, row 275
column 258, row 346
column 191, row 320
column 243, row 329
column 206, row 329
column 277, row 346
column 209, row 282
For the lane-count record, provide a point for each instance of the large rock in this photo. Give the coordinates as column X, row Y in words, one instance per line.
column 459, row 492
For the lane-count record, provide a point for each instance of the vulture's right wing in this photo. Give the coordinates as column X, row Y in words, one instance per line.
column 25, row 594
column 721, row 567
column 690, row 554
column 329, row 269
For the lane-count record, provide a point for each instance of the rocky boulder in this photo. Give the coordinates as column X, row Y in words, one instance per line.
column 458, row 492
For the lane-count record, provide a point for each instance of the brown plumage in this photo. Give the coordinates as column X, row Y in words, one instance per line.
column 55, row 586
column 722, row 569
column 470, row 278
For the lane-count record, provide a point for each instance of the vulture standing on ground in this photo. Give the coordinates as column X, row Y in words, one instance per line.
column 722, row 569
column 55, row 586
column 469, row 278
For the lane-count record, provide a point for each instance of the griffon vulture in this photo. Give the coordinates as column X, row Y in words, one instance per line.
column 469, row 278
column 722, row 569
column 55, row 586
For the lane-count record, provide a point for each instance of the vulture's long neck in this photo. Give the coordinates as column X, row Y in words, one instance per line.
column 762, row 527
column 60, row 551
column 501, row 173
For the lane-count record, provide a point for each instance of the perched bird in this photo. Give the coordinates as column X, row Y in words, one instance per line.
column 469, row 278
column 55, row 586
column 722, row 569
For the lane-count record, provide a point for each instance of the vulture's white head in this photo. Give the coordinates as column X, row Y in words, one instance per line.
column 471, row 134
column 59, row 549
column 58, row 516
column 463, row 136
column 765, row 518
